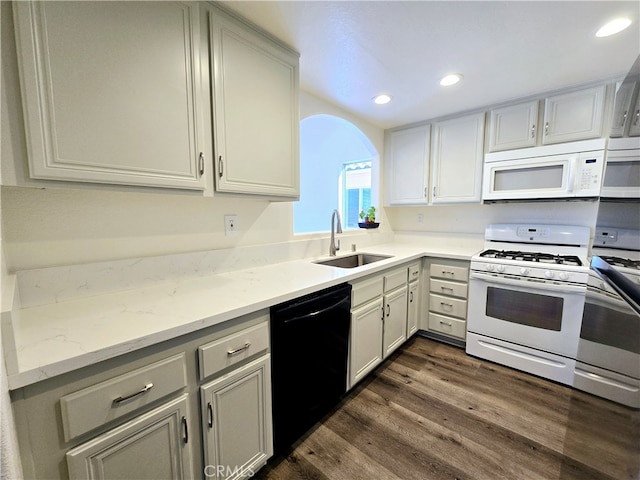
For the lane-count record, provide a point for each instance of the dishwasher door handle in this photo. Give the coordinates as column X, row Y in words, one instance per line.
column 318, row 312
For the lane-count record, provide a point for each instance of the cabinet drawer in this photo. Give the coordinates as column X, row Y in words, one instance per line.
column 445, row 287
column 365, row 290
column 91, row 407
column 447, row 325
column 448, row 305
column 414, row 272
column 395, row 279
column 449, row 272
column 232, row 349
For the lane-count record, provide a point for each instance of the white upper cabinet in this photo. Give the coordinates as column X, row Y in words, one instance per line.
column 111, row 92
column 623, row 111
column 408, row 166
column 513, row 127
column 255, row 111
column 574, row 116
column 634, row 117
column 456, row 154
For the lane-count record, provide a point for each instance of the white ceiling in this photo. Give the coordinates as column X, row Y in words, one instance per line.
column 353, row 50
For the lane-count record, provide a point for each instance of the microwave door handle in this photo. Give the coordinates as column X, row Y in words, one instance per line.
column 573, row 166
column 526, row 284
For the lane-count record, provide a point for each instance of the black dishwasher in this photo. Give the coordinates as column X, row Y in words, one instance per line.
column 309, row 355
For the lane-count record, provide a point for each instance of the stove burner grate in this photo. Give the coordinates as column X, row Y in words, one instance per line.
column 533, row 257
column 621, row 262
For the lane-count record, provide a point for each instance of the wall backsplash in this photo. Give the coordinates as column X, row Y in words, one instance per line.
column 472, row 219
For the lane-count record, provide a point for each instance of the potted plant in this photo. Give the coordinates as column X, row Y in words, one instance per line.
column 369, row 218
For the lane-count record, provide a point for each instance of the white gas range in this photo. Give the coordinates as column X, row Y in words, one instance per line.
column 526, row 297
column 608, row 358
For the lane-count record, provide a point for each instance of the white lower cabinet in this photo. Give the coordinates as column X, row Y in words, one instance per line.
column 136, row 416
column 413, row 307
column 154, row 445
column 366, row 339
column 379, row 309
column 395, row 319
column 236, row 413
column 446, row 295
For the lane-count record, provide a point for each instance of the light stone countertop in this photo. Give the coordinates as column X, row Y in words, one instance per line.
column 56, row 338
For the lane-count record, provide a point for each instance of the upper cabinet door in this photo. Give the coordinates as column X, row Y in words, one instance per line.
column 408, row 166
column 456, row 156
column 623, row 112
column 256, row 117
column 634, row 119
column 110, row 92
column 513, row 127
column 574, row 116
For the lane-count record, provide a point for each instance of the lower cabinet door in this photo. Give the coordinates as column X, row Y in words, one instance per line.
column 366, row 340
column 154, row 445
column 237, row 421
column 414, row 308
column 395, row 319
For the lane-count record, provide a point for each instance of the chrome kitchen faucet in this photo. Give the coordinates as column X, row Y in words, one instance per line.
column 333, row 247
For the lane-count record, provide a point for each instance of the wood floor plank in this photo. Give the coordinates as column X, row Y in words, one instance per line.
column 432, row 412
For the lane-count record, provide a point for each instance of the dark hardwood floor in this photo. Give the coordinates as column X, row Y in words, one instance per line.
column 432, row 412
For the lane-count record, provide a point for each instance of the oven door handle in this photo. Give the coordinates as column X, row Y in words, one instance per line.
column 527, row 284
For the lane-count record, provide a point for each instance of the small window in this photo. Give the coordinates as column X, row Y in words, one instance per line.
column 356, row 192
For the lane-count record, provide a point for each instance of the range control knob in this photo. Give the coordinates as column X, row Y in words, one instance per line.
column 500, row 268
column 548, row 274
column 524, row 271
column 489, row 267
column 563, row 276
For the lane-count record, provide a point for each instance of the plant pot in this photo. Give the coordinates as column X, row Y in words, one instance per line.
column 368, row 224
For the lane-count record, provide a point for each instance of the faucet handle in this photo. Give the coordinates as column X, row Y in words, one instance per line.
column 337, row 244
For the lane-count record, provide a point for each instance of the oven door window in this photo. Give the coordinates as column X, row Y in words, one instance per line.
column 524, row 308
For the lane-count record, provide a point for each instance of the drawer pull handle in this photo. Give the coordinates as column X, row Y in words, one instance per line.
column 144, row 389
column 447, row 288
column 185, row 430
column 445, row 304
column 445, row 323
column 239, row 349
column 447, row 272
column 210, row 415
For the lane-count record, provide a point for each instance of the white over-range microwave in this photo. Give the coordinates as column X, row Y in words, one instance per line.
column 564, row 171
column 622, row 170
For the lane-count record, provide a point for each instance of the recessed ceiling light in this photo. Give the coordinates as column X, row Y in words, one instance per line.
column 613, row 27
column 382, row 99
column 451, row 79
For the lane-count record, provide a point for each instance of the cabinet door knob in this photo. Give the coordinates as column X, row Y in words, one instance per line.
column 637, row 118
column 546, row 128
column 533, row 131
column 220, row 166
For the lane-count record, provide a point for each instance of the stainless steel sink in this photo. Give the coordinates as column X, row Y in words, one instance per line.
column 352, row 261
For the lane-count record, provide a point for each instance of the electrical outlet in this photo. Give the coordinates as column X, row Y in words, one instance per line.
column 420, row 218
column 230, row 225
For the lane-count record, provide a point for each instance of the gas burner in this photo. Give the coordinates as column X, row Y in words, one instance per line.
column 621, row 262
column 533, row 257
